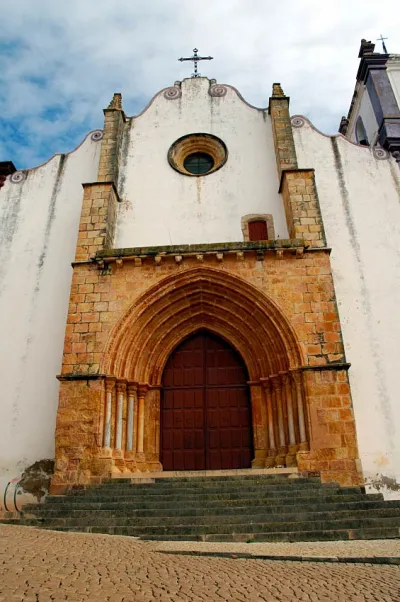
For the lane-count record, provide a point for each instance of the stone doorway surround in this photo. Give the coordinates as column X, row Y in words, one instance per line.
column 109, row 422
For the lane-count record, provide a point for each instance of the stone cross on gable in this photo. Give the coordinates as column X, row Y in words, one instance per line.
column 382, row 39
column 195, row 58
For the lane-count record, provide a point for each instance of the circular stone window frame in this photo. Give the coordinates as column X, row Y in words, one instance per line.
column 197, row 143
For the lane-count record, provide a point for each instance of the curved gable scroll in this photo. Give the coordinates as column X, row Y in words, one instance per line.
column 141, row 342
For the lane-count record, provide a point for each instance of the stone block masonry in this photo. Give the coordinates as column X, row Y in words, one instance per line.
column 126, row 315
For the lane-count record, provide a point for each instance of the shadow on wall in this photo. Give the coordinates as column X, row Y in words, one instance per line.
column 31, row 488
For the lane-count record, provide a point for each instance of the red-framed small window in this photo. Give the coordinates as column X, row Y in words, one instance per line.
column 258, row 230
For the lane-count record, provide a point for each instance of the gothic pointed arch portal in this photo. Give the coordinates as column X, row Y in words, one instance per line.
column 248, row 321
column 205, row 407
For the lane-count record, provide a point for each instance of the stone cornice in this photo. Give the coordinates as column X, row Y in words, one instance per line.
column 68, row 377
column 370, row 62
column 322, row 367
column 201, row 248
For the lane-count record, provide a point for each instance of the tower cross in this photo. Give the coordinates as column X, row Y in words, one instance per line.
column 382, row 39
column 195, row 58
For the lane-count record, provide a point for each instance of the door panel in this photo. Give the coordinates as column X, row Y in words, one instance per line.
column 205, row 414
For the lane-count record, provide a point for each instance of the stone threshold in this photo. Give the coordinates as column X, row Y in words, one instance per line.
column 168, row 474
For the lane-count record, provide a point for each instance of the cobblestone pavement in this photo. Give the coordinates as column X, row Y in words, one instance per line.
column 44, row 566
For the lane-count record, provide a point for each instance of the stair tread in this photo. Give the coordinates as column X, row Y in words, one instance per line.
column 243, row 506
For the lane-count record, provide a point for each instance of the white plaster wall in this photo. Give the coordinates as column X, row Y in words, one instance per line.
column 163, row 207
column 393, row 71
column 365, row 110
column 360, row 203
column 39, row 220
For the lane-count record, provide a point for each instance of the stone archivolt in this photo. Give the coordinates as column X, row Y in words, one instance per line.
column 205, row 298
column 201, row 298
column 301, row 411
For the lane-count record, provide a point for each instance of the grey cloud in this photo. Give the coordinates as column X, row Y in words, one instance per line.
column 63, row 61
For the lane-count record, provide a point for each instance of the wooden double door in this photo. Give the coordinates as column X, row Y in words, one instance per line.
column 205, row 407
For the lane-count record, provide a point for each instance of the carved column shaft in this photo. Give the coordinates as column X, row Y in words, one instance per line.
column 277, row 397
column 291, row 459
column 121, row 390
column 259, row 420
column 297, row 377
column 110, row 384
column 130, row 418
column 287, row 388
column 142, row 390
column 271, row 451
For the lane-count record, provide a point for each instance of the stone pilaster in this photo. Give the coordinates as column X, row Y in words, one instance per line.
column 282, row 130
column 303, row 213
column 114, row 119
column 100, row 199
column 333, row 447
column 259, row 418
column 297, row 186
column 97, row 223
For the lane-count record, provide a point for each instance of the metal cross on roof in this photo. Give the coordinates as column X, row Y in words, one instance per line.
column 381, row 39
column 195, row 58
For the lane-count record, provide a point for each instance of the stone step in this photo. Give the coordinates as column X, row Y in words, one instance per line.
column 255, row 493
column 10, row 518
column 207, row 482
column 231, row 474
column 198, row 531
column 60, row 510
column 222, row 508
column 159, row 504
column 282, row 536
column 229, row 519
column 161, row 489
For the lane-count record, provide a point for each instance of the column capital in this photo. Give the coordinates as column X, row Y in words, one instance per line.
column 284, row 377
column 275, row 380
column 266, row 385
column 110, row 384
column 296, row 374
column 254, row 383
column 132, row 388
column 142, row 390
column 121, row 386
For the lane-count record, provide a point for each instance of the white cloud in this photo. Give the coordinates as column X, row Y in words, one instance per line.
column 61, row 62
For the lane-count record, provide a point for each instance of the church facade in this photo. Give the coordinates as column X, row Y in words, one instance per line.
column 231, row 302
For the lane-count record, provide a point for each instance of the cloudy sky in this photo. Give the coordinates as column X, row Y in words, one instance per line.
column 60, row 62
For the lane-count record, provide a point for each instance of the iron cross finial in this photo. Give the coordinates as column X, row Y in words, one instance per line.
column 195, row 58
column 381, row 39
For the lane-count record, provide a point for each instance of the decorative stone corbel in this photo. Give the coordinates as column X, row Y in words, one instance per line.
column 119, row 262
column 138, row 262
column 178, row 258
column 158, row 259
column 279, row 253
column 220, row 256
